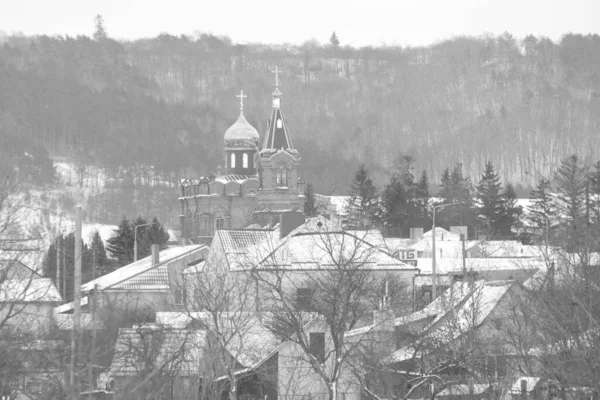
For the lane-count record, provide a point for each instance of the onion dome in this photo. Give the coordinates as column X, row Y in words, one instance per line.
column 241, row 133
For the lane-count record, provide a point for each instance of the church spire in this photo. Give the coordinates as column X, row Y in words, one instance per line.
column 277, row 136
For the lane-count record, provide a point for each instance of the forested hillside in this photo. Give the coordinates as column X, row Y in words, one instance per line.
column 153, row 111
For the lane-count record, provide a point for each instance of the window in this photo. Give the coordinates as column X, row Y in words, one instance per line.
column 232, row 161
column 245, row 160
column 180, row 296
column 281, row 176
column 219, row 223
column 279, row 123
column 304, row 299
column 317, row 345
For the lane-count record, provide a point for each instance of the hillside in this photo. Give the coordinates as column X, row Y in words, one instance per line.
column 150, row 112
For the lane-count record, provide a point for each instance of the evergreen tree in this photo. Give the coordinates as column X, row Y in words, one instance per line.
column 571, row 198
column 594, row 191
column 363, row 205
column 100, row 31
column 456, row 188
column 394, row 215
column 423, row 198
column 120, row 246
column 335, row 42
column 541, row 210
column 99, row 260
column 153, row 234
column 490, row 202
column 510, row 216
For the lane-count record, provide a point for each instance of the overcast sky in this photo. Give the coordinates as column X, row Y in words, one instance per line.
column 358, row 23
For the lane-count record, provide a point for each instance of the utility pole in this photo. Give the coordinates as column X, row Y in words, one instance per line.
column 58, row 266
column 433, row 257
column 76, row 299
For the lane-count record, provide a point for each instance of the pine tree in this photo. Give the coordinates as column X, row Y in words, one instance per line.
column 571, row 194
column 100, row 31
column 120, row 246
column 541, row 211
column 363, row 206
column 310, row 207
column 153, row 234
column 423, row 198
column 456, row 188
column 394, row 199
column 100, row 264
column 510, row 216
column 490, row 202
column 594, row 189
column 335, row 42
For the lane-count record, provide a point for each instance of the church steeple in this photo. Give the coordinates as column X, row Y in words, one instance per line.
column 277, row 136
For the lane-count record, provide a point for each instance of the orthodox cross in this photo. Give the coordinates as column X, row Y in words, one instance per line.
column 241, row 96
column 276, row 72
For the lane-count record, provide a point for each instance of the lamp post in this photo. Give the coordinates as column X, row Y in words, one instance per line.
column 135, row 245
column 433, row 257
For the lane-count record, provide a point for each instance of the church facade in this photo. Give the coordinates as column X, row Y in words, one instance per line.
column 262, row 179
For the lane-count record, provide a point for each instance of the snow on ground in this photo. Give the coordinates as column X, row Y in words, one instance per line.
column 105, row 231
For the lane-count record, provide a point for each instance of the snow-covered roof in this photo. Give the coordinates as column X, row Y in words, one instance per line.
column 31, row 257
column 66, row 322
column 455, row 264
column 462, row 390
column 335, row 204
column 133, row 272
column 40, row 290
column 175, row 350
column 248, row 340
column 461, row 308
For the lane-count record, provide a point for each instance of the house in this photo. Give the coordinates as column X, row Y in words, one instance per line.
column 148, row 285
column 297, row 250
column 463, row 337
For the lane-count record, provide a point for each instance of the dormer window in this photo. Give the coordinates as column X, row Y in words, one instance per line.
column 245, row 160
column 279, row 123
column 282, row 178
column 232, row 161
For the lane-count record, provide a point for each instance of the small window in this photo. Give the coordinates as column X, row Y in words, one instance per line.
column 304, row 299
column 232, row 161
column 245, row 160
column 180, row 297
column 317, row 346
column 219, row 223
column 282, row 177
column 279, row 123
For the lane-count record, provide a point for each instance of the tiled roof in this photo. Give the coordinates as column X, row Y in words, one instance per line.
column 234, row 178
column 248, row 340
column 173, row 350
column 143, row 266
column 153, row 279
column 237, row 240
column 40, row 290
column 459, row 309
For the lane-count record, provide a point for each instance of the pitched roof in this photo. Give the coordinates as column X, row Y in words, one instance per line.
column 142, row 274
column 455, row 264
column 461, row 308
column 40, row 290
column 248, row 340
column 174, row 351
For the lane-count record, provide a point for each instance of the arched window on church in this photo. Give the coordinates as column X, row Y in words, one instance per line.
column 282, row 178
column 232, row 162
column 279, row 123
column 245, row 160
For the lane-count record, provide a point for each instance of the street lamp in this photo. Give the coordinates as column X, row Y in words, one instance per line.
column 135, row 245
column 433, row 260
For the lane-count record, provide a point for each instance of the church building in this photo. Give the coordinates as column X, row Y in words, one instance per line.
column 260, row 184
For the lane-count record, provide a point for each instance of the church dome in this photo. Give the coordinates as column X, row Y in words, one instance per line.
column 241, row 132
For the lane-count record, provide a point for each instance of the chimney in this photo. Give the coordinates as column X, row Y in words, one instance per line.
column 155, row 254
column 288, row 221
column 416, row 234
